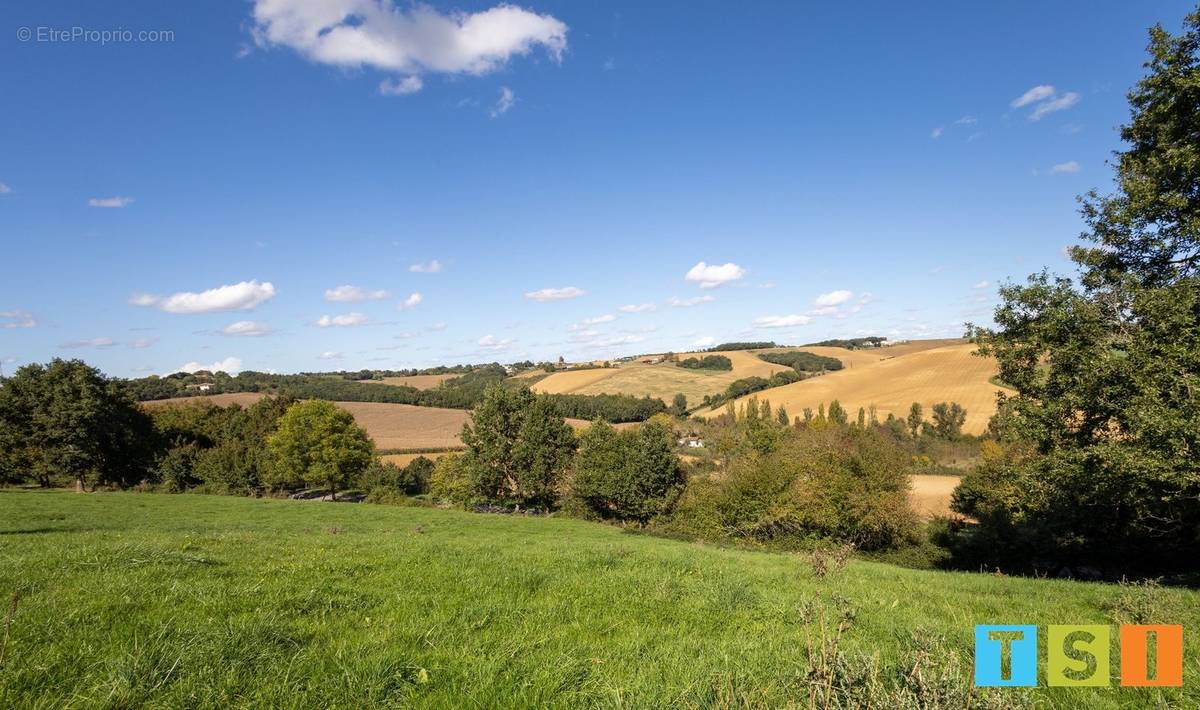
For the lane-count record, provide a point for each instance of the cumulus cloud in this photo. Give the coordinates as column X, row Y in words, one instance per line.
column 109, row 201
column 706, row 342
column 243, row 296
column 506, row 101
column 413, row 300
column 346, row 320
column 1070, row 166
column 406, row 40
column 491, row 342
column 230, row 365
column 401, row 87
column 354, row 294
column 689, row 302
column 17, row 319
column 430, row 267
column 246, row 328
column 788, row 321
column 637, row 308
column 330, row 355
column 555, row 294
column 711, row 276
column 1037, row 93
column 834, row 298
column 89, row 343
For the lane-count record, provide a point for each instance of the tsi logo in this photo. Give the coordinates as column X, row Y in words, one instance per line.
column 1078, row 655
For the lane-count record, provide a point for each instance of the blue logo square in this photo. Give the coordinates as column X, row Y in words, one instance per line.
column 1005, row 655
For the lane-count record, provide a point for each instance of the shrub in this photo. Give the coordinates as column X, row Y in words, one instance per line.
column 629, row 475
column 450, row 480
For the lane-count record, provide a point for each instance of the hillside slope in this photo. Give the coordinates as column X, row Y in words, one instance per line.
column 950, row 373
column 133, row 599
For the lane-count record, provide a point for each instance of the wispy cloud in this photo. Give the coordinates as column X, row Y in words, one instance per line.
column 1061, row 103
column 354, row 294
column 243, row 296
column 936, row 133
column 491, row 342
column 330, row 355
column 246, row 328
column 1037, row 93
column 688, row 302
column 714, row 275
column 1070, row 166
column 834, row 298
column 429, row 267
column 109, row 201
column 788, row 321
column 17, row 319
column 143, row 343
column 555, row 294
column 982, row 284
column 637, row 308
column 706, row 342
column 413, row 300
column 401, row 87
column 506, row 101
column 88, row 343
column 4, row 189
column 346, row 320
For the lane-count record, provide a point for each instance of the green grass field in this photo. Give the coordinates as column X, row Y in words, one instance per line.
column 130, row 599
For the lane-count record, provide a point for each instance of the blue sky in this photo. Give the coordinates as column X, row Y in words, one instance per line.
column 820, row 170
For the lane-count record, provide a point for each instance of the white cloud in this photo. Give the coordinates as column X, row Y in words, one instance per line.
column 89, row 343
column 142, row 343
column 231, row 365
column 982, row 284
column 330, row 355
column 491, row 342
column 615, row 340
column 405, row 40
column 637, row 308
column 715, row 275
column 247, row 328
column 431, row 267
column 109, row 201
column 606, row 318
column 706, row 342
column 789, row 321
column 346, row 320
column 354, row 294
column 401, row 87
column 1070, row 166
column 413, row 300
column 1037, row 93
column 17, row 319
column 936, row 133
column 243, row 296
column 437, row 327
column 1061, row 103
column 4, row 189
column 834, row 298
column 555, row 294
column 506, row 101
column 689, row 302
column 966, row 121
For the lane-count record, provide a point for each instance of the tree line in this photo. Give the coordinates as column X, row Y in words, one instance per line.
column 708, row 362
column 801, row 361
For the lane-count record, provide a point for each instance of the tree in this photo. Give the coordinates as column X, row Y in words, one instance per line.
column 915, row 418
column 626, row 475
column 65, row 418
column 1107, row 369
column 948, row 420
column 320, row 443
column 518, row 447
column 837, row 414
column 782, row 416
column 679, row 405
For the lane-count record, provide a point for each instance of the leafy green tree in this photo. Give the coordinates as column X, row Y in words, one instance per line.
column 782, row 416
column 518, row 447
column 916, row 417
column 450, row 480
column 626, row 475
column 679, row 405
column 67, row 419
column 1107, row 369
column 837, row 413
column 320, row 443
column 948, row 420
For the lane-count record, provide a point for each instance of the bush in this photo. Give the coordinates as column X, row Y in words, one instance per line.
column 450, row 480
column 834, row 482
column 631, row 475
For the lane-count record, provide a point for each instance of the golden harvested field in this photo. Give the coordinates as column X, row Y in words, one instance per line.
column 421, row 382
column 949, row 373
column 220, row 400
column 403, row 460
column 405, row 426
column 930, row 495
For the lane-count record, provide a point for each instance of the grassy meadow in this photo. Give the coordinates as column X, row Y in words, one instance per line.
column 134, row 599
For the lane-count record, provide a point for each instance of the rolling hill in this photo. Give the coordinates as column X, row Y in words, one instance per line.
column 896, row 378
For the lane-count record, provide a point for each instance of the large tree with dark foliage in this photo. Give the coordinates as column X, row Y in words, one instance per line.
column 65, row 419
column 1107, row 369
